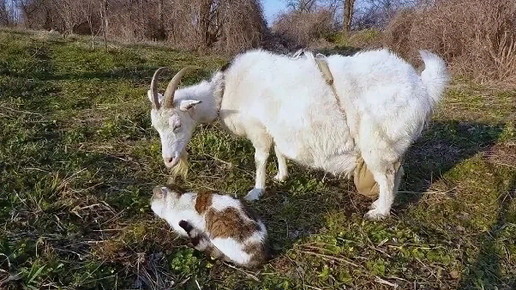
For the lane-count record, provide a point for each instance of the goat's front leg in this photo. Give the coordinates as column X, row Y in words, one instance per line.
column 282, row 166
column 262, row 145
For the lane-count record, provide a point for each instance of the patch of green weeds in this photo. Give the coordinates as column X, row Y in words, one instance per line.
column 184, row 261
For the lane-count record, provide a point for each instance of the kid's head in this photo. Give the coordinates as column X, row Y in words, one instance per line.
column 164, row 200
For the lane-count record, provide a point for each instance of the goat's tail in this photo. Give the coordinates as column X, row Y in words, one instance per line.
column 435, row 76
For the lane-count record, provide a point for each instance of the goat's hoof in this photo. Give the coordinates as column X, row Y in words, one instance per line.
column 254, row 194
column 376, row 215
column 280, row 177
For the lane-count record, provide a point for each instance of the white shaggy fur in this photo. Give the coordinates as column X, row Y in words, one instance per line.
column 285, row 101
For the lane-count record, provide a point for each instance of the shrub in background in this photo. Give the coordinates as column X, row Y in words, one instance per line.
column 476, row 37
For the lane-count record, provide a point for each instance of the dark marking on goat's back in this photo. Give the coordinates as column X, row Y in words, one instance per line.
column 225, row 67
column 203, row 202
column 229, row 224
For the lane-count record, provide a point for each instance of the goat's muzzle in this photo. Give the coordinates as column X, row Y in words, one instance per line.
column 171, row 161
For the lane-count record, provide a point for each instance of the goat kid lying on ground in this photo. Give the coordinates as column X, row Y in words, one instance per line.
column 373, row 111
column 219, row 225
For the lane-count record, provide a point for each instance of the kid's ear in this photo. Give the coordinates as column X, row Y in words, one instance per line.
column 160, row 191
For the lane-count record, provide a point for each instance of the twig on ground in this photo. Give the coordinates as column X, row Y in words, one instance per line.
column 245, row 272
column 385, row 282
column 330, row 258
column 229, row 164
column 20, row 111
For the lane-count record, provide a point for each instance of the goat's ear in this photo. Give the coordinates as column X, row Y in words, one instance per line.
column 151, row 99
column 186, row 105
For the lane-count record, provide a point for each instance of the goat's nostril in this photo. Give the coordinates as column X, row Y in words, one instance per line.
column 169, row 161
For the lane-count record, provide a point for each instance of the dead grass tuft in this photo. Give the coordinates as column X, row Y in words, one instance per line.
column 476, row 37
column 303, row 28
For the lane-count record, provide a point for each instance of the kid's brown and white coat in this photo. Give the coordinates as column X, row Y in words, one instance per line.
column 220, row 225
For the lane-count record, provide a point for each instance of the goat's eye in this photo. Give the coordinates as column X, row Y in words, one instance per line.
column 174, row 123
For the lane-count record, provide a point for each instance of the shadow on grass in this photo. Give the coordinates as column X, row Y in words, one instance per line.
column 140, row 74
column 442, row 146
column 300, row 206
column 485, row 272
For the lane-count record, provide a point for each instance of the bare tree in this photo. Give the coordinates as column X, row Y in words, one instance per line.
column 302, row 5
column 193, row 24
column 104, row 19
column 4, row 14
column 349, row 6
column 378, row 13
column 300, row 29
column 161, row 13
column 243, row 25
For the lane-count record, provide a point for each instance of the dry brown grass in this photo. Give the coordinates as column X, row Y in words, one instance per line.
column 477, row 37
column 222, row 26
column 303, row 28
column 244, row 26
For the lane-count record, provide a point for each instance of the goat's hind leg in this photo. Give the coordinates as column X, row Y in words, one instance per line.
column 381, row 154
column 386, row 179
column 282, row 166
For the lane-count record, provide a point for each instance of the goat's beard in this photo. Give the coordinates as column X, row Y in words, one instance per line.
column 181, row 168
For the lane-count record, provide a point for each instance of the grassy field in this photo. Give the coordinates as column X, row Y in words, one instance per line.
column 79, row 159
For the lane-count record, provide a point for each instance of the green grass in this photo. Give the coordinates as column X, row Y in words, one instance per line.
column 79, row 159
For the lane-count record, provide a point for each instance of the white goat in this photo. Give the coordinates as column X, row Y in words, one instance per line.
column 277, row 99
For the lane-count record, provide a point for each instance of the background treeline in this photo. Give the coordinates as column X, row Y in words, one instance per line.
column 477, row 37
column 228, row 25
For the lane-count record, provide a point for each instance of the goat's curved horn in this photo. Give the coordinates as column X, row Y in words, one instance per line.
column 154, row 86
column 168, row 98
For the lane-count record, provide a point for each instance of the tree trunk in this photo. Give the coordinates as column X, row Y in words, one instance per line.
column 4, row 15
column 161, row 33
column 103, row 16
column 205, row 21
column 348, row 15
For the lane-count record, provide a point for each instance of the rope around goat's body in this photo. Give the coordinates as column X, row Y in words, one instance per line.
column 362, row 177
